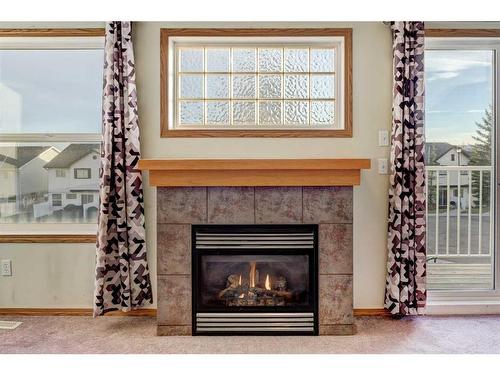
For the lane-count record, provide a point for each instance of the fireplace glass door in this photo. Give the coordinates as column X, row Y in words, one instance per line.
column 258, row 280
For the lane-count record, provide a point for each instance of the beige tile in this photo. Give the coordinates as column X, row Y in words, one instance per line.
column 327, row 204
column 182, row 205
column 173, row 249
column 335, row 248
column 335, row 299
column 231, row 205
column 174, row 300
column 278, row 205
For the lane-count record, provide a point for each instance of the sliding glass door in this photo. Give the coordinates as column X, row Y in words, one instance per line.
column 461, row 116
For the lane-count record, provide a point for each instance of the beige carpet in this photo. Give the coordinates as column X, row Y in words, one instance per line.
column 473, row 334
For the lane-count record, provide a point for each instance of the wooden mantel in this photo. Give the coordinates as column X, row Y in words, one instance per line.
column 254, row 172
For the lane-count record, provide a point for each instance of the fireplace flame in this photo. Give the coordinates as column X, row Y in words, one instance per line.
column 239, row 283
column 252, row 274
column 268, row 283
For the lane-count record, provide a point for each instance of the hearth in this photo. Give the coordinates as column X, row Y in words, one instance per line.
column 255, row 279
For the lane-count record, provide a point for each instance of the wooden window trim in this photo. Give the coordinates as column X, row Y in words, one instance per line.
column 462, row 33
column 47, row 238
column 53, row 32
column 252, row 133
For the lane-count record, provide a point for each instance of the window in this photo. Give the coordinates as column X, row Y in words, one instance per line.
column 51, row 90
column 87, row 198
column 461, row 114
column 82, row 173
column 57, row 200
column 265, row 83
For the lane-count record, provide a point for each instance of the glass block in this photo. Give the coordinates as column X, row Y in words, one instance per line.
column 322, row 112
column 218, row 112
column 296, row 86
column 322, row 60
column 244, row 86
column 191, row 60
column 270, row 86
column 244, row 59
column 218, row 59
column 270, row 59
column 269, row 113
column 243, row 113
column 217, row 86
column 296, row 60
column 297, row 112
column 322, row 86
column 191, row 112
column 191, row 86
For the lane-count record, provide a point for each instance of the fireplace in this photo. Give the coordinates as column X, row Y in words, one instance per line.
column 216, row 198
column 255, row 279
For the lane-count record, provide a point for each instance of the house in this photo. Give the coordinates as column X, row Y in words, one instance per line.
column 73, row 180
column 24, row 179
column 442, row 154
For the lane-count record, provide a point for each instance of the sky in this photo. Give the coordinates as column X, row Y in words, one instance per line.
column 50, row 91
column 60, row 91
column 458, row 89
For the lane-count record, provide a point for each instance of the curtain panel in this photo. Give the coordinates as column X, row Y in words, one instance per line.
column 122, row 274
column 405, row 292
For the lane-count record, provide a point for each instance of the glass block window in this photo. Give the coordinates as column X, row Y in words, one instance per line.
column 256, row 83
column 256, row 86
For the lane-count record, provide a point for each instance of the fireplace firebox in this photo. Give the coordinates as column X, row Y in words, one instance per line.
column 255, row 279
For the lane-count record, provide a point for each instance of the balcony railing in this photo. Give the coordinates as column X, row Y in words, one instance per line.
column 459, row 211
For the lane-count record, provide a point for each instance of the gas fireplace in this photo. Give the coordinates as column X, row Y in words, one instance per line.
column 255, row 279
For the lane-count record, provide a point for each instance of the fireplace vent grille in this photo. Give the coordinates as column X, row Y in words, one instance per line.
column 254, row 240
column 250, row 322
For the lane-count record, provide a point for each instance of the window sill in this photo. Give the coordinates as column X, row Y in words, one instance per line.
column 47, row 238
column 252, row 133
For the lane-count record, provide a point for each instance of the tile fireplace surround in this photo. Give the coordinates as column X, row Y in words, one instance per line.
column 195, row 192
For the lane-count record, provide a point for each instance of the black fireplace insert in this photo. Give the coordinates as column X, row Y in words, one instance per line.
column 255, row 279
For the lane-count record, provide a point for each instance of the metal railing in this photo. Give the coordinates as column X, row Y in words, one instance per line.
column 459, row 211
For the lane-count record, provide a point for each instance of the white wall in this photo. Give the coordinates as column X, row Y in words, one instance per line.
column 33, row 177
column 372, row 111
column 48, row 275
column 65, row 184
column 62, row 275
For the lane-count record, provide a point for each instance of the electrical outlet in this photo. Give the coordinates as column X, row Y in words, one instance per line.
column 6, row 267
column 383, row 167
column 383, row 138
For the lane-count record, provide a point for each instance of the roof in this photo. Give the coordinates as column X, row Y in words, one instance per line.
column 71, row 154
column 24, row 155
column 436, row 150
column 464, row 152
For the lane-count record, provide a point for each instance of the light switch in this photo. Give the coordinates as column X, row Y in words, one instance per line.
column 383, row 166
column 383, row 138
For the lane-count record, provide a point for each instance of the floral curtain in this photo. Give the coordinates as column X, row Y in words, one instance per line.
column 122, row 274
column 405, row 292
